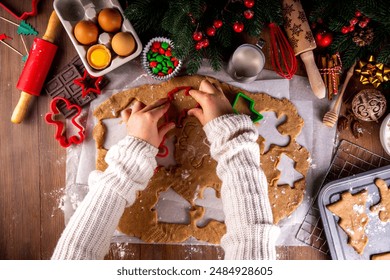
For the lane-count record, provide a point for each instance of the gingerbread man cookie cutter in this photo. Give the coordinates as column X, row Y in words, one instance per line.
column 60, row 134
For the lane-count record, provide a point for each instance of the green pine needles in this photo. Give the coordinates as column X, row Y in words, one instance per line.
column 180, row 19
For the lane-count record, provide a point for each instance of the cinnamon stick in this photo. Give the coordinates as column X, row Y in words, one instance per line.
column 324, row 75
column 330, row 82
column 337, row 75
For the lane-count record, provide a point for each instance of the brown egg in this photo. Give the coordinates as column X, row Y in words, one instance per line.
column 123, row 44
column 110, row 20
column 86, row 32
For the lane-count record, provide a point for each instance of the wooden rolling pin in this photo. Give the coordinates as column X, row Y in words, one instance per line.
column 36, row 68
column 302, row 40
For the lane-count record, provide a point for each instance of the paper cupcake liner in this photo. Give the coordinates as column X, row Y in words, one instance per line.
column 145, row 62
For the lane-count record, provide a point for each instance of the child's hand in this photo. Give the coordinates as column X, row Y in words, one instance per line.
column 213, row 102
column 141, row 121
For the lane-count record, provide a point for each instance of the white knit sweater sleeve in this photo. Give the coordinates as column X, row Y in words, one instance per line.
column 251, row 233
column 131, row 164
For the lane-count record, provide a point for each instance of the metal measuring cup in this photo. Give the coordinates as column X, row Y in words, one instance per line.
column 247, row 62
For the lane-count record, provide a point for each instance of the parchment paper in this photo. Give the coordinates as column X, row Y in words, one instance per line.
column 317, row 138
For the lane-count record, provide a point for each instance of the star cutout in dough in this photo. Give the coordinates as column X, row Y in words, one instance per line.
column 89, row 83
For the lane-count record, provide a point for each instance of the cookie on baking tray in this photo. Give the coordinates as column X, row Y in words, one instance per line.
column 383, row 207
column 381, row 256
column 351, row 209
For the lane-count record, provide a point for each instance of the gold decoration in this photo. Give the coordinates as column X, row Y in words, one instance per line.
column 372, row 72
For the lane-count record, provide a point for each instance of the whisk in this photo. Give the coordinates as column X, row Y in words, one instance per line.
column 284, row 61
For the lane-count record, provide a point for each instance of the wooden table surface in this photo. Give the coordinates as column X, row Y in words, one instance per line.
column 32, row 173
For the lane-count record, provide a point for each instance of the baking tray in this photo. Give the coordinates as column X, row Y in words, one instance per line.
column 72, row 11
column 349, row 159
column 377, row 231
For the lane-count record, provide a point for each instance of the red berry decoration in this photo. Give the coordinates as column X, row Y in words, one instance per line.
column 248, row 14
column 249, row 3
column 353, row 21
column 363, row 24
column 323, row 38
column 218, row 23
column 351, row 28
column 198, row 46
column 344, row 29
column 211, row 31
column 197, row 36
column 205, row 43
column 358, row 14
column 238, row 27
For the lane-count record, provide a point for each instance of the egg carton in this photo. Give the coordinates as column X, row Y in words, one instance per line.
column 70, row 12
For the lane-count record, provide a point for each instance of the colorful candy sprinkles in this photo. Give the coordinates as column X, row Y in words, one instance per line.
column 159, row 59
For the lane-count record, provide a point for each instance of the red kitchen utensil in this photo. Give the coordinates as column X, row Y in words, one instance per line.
column 24, row 15
column 36, row 68
column 61, row 131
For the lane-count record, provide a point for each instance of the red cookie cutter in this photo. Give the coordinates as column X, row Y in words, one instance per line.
column 34, row 10
column 60, row 134
column 163, row 149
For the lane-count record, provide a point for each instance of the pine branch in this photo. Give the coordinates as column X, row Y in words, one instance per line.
column 215, row 57
column 194, row 62
column 143, row 21
column 384, row 55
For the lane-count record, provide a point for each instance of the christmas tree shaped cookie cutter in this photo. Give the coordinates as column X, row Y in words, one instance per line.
column 254, row 115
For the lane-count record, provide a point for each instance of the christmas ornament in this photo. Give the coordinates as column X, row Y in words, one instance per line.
column 373, row 73
column 217, row 23
column 197, row 36
column 210, row 31
column 238, row 27
column 369, row 105
column 248, row 14
column 323, row 38
column 249, row 3
column 363, row 37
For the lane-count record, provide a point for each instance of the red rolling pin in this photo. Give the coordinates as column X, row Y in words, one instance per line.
column 36, row 68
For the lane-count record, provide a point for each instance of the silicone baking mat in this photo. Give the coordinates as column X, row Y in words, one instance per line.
column 348, row 160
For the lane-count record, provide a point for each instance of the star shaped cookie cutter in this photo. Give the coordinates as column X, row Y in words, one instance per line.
column 256, row 116
column 89, row 83
column 60, row 134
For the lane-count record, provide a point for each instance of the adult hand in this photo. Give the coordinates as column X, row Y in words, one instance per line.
column 212, row 100
column 142, row 121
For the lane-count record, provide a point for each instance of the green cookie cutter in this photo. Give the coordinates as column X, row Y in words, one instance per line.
column 256, row 116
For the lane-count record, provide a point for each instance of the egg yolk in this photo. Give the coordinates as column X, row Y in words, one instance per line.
column 99, row 57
